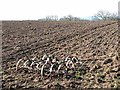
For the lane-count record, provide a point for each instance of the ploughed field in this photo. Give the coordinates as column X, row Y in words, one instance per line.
column 94, row 43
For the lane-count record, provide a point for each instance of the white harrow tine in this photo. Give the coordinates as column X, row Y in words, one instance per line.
column 33, row 58
column 48, row 59
column 32, row 64
column 44, row 57
column 17, row 65
column 27, row 64
column 42, row 70
column 59, row 67
column 37, row 66
column 75, row 59
column 67, row 58
column 68, row 62
column 51, row 68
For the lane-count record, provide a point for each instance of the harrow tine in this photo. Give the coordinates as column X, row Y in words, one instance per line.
column 59, row 67
column 44, row 51
column 32, row 63
column 37, row 66
column 17, row 65
column 27, row 64
column 42, row 71
column 51, row 68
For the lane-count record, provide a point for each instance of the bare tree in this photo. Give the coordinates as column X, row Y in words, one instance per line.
column 105, row 15
column 70, row 18
column 51, row 18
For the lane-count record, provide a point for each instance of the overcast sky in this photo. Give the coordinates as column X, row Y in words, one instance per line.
column 36, row 9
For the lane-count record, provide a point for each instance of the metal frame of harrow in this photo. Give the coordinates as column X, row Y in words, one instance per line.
column 48, row 65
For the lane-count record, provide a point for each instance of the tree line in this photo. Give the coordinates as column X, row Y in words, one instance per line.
column 100, row 15
column 65, row 18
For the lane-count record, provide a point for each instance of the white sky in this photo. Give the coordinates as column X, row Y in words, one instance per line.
column 36, row 9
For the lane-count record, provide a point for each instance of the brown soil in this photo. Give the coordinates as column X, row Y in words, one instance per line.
column 94, row 42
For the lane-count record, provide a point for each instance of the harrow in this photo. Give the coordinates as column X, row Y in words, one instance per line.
column 48, row 64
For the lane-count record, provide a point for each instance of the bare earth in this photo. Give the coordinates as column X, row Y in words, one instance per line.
column 94, row 42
